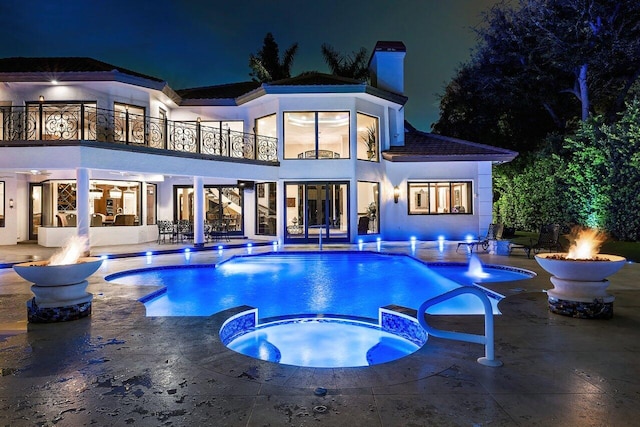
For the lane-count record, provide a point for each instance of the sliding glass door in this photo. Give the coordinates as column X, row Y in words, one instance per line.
column 314, row 208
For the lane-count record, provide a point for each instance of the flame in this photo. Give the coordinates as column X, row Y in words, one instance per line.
column 586, row 242
column 70, row 252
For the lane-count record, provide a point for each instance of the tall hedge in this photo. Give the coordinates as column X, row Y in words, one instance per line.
column 595, row 182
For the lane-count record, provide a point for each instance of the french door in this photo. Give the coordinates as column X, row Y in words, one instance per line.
column 35, row 210
column 314, row 208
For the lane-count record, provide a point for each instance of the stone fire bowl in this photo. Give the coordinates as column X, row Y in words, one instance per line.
column 43, row 274
column 578, row 270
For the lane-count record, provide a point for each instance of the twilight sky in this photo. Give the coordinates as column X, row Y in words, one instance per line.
column 193, row 43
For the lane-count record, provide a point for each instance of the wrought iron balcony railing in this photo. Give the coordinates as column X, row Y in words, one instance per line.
column 63, row 122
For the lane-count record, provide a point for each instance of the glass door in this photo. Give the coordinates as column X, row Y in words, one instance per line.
column 315, row 208
column 35, row 210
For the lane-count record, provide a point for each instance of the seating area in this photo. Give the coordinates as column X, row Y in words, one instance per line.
column 182, row 231
column 548, row 238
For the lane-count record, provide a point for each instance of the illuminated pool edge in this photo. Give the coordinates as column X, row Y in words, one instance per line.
column 403, row 327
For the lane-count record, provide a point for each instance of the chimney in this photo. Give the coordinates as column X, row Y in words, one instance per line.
column 386, row 66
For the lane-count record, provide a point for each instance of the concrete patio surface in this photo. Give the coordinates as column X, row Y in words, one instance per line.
column 120, row 368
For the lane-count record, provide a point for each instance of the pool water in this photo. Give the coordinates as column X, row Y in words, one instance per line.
column 344, row 283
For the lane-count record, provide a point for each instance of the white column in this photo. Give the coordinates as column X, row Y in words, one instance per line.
column 82, row 204
column 198, row 211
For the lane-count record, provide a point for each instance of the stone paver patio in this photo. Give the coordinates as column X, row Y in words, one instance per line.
column 119, row 367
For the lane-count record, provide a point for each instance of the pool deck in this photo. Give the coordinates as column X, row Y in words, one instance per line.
column 120, row 368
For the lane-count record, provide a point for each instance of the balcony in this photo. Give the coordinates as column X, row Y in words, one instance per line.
column 67, row 122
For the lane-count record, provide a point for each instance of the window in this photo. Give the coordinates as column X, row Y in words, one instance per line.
column 368, row 138
column 223, row 206
column 432, row 198
column 129, row 124
column 368, row 207
column 114, row 202
column 1, row 203
column 266, row 208
column 60, row 121
column 316, row 135
column 266, row 126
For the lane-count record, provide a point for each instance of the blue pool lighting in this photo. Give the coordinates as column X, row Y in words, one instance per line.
column 307, row 283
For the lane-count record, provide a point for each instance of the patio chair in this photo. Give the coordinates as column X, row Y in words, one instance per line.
column 166, row 228
column 549, row 238
column 494, row 232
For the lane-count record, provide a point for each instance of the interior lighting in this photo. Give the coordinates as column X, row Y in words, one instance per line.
column 54, row 82
column 149, row 253
column 115, row 193
column 396, row 194
column 95, row 193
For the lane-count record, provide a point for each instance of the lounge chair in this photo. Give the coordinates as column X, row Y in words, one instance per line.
column 549, row 238
column 494, row 232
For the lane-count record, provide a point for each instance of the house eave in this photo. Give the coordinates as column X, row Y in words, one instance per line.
column 267, row 89
column 428, row 158
column 84, row 76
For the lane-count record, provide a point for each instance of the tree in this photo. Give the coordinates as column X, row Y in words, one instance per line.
column 544, row 66
column 604, row 173
column 267, row 66
column 354, row 66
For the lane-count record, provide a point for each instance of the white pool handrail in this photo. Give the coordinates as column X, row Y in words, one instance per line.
column 486, row 339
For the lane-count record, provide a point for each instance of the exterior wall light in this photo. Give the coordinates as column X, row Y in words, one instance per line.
column 11, row 203
column 396, row 194
column 41, row 98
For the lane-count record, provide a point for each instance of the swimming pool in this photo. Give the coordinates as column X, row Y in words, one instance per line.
column 284, row 283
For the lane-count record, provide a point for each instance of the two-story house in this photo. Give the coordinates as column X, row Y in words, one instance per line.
column 97, row 150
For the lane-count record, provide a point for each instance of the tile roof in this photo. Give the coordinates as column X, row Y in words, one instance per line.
column 55, row 65
column 315, row 78
column 230, row 90
column 234, row 90
column 429, row 147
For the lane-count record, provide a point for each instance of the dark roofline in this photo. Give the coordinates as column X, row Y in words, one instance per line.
column 62, row 65
column 305, row 83
column 21, row 69
column 413, row 153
